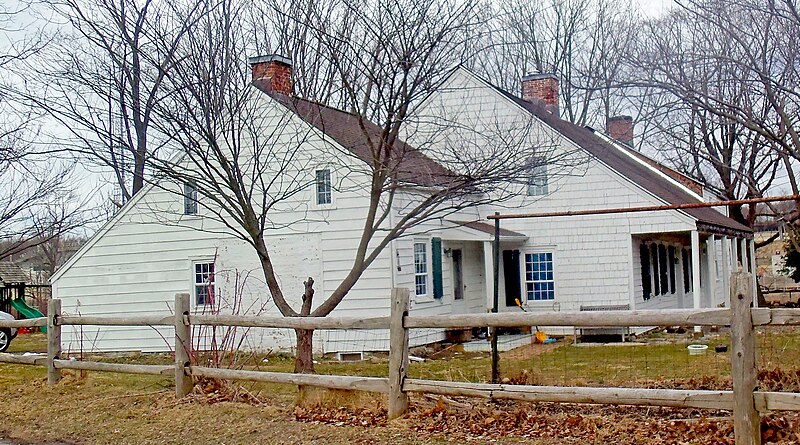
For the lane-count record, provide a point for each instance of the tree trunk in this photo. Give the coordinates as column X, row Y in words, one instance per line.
column 304, row 358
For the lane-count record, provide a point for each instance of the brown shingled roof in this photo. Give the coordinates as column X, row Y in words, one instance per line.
column 346, row 129
column 623, row 164
column 10, row 273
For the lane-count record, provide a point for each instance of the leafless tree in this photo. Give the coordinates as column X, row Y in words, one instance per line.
column 245, row 155
column 579, row 41
column 721, row 80
column 101, row 77
column 29, row 184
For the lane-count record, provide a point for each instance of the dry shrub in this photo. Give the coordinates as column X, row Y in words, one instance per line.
column 210, row 390
column 341, row 407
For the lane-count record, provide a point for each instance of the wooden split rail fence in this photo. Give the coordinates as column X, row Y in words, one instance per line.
column 745, row 400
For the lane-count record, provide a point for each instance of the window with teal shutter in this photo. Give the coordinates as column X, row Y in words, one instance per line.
column 436, row 260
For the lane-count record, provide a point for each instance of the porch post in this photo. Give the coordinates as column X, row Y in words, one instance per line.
column 711, row 256
column 743, row 252
column 752, row 250
column 726, row 268
column 696, row 291
column 488, row 273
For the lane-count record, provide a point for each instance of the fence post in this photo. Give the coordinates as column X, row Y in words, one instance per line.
column 398, row 354
column 53, row 340
column 183, row 344
column 746, row 420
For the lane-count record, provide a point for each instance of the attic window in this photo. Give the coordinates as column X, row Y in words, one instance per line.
column 324, row 190
column 537, row 177
column 190, row 198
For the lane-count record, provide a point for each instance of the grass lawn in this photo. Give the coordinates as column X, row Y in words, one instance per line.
column 106, row 408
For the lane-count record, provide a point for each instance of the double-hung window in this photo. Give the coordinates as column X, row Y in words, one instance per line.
column 204, row 284
column 539, row 278
column 537, row 177
column 421, row 269
column 324, row 195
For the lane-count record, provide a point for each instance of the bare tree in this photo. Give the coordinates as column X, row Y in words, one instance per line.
column 721, row 79
column 246, row 154
column 29, row 184
column 101, row 78
column 579, row 41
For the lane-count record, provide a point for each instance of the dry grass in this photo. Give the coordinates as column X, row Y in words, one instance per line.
column 105, row 408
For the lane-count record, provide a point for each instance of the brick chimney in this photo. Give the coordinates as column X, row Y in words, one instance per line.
column 273, row 72
column 542, row 88
column 621, row 129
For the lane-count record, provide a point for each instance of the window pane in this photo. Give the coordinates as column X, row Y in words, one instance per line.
column 421, row 268
column 189, row 198
column 323, row 180
column 537, row 177
column 204, row 283
column 539, row 278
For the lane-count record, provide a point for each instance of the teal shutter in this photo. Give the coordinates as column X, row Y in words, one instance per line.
column 436, row 259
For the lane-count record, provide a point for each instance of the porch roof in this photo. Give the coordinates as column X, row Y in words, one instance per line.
column 478, row 231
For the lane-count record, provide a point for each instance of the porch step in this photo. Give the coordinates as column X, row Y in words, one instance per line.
column 504, row 343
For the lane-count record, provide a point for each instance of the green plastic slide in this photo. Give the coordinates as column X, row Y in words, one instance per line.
column 27, row 311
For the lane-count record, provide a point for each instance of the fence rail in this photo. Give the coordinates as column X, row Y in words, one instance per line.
column 744, row 400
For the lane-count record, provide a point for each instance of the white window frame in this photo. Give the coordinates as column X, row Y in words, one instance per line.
column 203, row 261
column 426, row 243
column 524, row 275
column 315, row 198
column 537, row 171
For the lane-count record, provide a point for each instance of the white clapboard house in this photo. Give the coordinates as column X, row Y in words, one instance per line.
column 160, row 243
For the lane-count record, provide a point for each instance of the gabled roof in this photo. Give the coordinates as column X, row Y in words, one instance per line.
column 626, row 164
column 10, row 273
column 353, row 133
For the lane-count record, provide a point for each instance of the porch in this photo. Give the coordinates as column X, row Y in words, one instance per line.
column 690, row 269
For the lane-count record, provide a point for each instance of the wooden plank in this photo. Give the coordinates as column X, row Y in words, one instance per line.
column 130, row 320
column 746, row 421
column 398, row 354
column 291, row 322
column 670, row 317
column 370, row 384
column 760, row 316
column 784, row 316
column 115, row 367
column 53, row 340
column 777, row 401
column 615, row 396
column 183, row 346
column 24, row 323
column 37, row 360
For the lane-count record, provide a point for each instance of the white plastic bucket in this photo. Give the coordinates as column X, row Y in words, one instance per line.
column 697, row 349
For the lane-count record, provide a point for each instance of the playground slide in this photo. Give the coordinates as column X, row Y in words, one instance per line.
column 26, row 311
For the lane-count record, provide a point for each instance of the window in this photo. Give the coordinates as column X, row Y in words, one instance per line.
column 421, row 269
column 189, row 198
column 204, row 284
column 537, row 179
column 324, row 191
column 539, row 280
